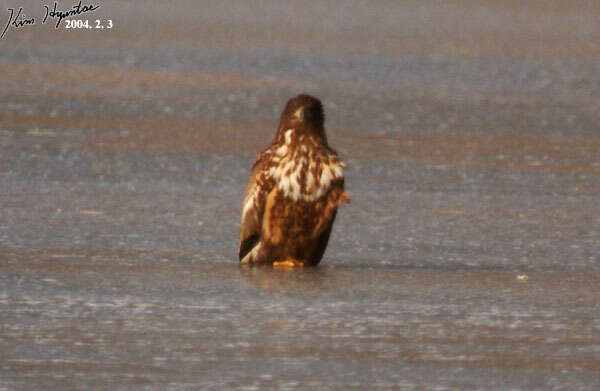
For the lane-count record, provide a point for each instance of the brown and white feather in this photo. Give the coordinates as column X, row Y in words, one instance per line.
column 291, row 200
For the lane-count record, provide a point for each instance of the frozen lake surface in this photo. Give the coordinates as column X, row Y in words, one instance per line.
column 468, row 258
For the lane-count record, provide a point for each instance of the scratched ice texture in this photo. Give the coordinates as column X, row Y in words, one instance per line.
column 468, row 258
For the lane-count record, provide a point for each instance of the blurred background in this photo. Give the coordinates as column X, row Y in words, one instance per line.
column 470, row 131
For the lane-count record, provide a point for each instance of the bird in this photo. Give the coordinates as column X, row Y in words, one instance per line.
column 295, row 187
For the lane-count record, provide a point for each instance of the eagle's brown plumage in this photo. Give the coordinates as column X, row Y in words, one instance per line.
column 295, row 187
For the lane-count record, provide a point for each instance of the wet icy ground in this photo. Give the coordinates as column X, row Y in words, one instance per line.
column 468, row 258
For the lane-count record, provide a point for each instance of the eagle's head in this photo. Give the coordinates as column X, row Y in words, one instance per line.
column 304, row 114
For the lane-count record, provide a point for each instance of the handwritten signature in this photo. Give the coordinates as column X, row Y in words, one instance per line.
column 77, row 10
column 20, row 19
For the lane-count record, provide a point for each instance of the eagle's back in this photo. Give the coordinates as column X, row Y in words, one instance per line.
column 295, row 187
column 307, row 185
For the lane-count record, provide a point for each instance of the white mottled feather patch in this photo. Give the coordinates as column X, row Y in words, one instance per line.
column 288, row 136
column 288, row 172
column 281, row 150
column 249, row 204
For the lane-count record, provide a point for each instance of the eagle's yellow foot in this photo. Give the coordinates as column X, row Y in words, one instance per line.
column 288, row 263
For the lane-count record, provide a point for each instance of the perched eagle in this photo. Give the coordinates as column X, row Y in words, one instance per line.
column 295, row 187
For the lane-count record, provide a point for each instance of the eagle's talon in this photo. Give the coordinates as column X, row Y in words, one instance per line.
column 288, row 263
